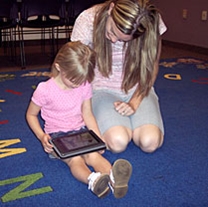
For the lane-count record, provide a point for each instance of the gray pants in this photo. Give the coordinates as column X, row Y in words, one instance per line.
column 107, row 117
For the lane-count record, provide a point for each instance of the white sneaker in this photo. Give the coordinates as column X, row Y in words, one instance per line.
column 119, row 177
column 98, row 184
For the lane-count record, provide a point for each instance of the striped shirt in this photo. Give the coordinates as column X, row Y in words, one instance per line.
column 83, row 30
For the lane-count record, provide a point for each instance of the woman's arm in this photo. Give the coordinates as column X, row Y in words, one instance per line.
column 156, row 64
column 129, row 108
column 83, row 27
column 136, row 100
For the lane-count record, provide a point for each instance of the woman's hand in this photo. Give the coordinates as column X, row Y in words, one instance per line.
column 124, row 108
column 46, row 144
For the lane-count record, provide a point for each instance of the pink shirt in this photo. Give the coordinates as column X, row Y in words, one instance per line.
column 82, row 31
column 61, row 109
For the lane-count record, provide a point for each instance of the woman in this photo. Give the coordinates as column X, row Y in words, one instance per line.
column 125, row 35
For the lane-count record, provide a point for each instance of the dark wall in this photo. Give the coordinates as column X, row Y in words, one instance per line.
column 193, row 30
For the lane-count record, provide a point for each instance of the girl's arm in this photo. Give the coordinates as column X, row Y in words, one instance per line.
column 89, row 117
column 32, row 119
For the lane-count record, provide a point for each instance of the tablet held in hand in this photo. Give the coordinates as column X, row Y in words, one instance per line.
column 77, row 144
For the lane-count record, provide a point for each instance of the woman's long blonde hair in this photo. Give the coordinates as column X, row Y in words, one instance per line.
column 141, row 20
column 77, row 61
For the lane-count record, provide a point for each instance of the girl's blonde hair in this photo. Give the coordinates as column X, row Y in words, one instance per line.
column 77, row 61
column 141, row 20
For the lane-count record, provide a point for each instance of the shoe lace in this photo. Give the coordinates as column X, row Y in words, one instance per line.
column 91, row 179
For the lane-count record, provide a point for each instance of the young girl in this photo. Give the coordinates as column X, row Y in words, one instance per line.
column 65, row 104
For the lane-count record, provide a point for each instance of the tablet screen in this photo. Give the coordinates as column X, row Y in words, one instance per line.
column 78, row 143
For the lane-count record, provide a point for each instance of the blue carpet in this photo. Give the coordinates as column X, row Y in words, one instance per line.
column 174, row 176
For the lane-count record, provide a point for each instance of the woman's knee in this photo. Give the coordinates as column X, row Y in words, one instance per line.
column 117, row 138
column 148, row 138
column 149, row 143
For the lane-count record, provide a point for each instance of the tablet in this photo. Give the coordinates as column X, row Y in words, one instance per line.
column 77, row 144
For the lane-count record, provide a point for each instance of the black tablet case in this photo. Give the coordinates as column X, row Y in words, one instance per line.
column 77, row 144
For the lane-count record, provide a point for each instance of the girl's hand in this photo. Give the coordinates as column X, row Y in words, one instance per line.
column 124, row 108
column 101, row 152
column 46, row 144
